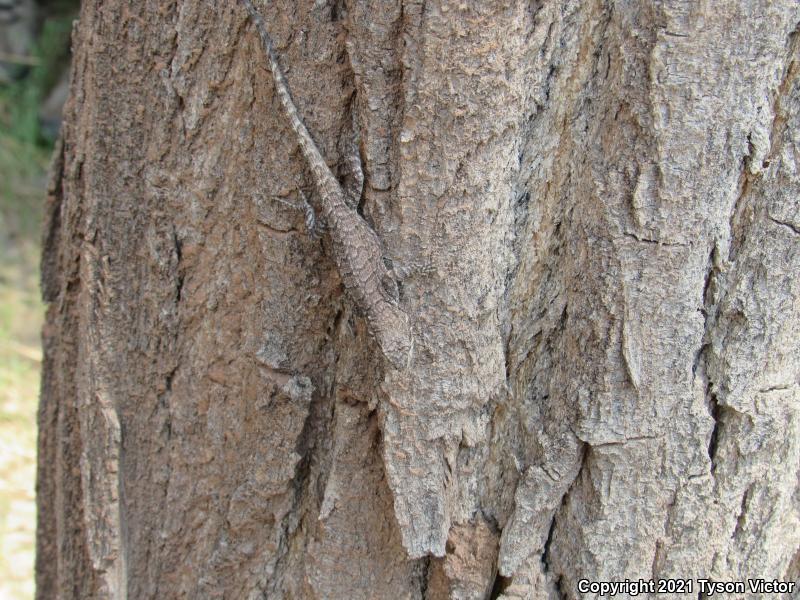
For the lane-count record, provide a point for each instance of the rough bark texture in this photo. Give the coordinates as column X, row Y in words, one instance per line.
column 606, row 377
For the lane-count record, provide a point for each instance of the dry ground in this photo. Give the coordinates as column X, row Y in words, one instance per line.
column 21, row 311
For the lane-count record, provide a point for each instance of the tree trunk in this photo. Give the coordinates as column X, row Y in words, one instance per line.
column 605, row 381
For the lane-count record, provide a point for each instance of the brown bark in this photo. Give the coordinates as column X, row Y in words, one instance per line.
column 605, row 381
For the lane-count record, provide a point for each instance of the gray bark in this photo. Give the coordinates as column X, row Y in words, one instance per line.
column 606, row 376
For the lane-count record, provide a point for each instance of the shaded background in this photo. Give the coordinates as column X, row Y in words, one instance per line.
column 34, row 61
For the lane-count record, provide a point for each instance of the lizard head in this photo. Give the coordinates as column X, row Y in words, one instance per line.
column 393, row 335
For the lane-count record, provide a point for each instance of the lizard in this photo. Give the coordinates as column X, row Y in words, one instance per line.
column 355, row 247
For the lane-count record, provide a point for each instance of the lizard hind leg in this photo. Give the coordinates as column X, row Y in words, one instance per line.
column 353, row 175
column 391, row 287
column 353, row 183
column 313, row 225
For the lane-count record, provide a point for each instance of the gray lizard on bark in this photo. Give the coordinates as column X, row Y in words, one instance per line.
column 356, row 249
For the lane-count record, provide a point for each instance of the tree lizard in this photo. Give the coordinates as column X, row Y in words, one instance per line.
column 356, row 249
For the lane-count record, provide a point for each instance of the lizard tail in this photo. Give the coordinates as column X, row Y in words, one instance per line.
column 323, row 177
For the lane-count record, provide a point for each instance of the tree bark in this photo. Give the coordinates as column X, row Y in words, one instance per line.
column 606, row 376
